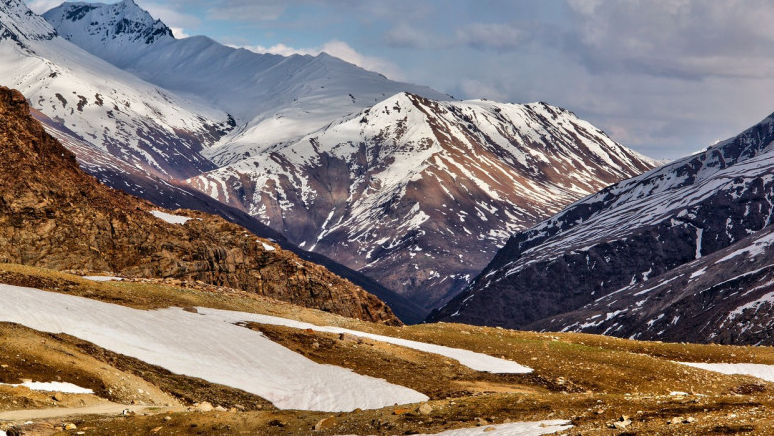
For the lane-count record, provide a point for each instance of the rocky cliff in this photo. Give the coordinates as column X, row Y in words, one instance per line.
column 54, row 215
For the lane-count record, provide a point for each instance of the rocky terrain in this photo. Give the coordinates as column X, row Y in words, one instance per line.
column 52, row 214
column 421, row 194
column 599, row 385
column 637, row 241
column 144, row 183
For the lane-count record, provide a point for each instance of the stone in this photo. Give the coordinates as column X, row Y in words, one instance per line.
column 204, row 406
column 425, row 409
column 325, row 424
column 70, row 426
column 57, row 396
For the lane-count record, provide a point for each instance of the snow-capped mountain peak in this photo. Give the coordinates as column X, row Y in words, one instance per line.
column 18, row 22
column 123, row 24
column 383, row 189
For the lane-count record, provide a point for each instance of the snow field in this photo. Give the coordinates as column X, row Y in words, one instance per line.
column 168, row 217
column 65, row 388
column 476, row 361
column 206, row 347
column 764, row 372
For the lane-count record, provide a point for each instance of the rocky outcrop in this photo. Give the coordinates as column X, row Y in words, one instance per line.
column 629, row 238
column 54, row 215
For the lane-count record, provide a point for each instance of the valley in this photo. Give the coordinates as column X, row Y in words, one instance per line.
column 230, row 235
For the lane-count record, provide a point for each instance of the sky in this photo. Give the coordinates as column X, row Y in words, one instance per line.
column 664, row 77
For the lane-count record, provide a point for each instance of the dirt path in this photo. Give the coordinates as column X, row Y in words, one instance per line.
column 62, row 412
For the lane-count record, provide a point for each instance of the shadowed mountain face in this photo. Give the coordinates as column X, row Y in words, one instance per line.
column 54, row 215
column 420, row 194
column 676, row 253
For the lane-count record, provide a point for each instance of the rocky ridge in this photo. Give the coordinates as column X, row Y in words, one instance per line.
column 637, row 252
column 420, row 194
column 54, row 215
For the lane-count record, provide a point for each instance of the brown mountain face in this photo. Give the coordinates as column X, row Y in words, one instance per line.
column 681, row 253
column 54, row 215
column 421, row 194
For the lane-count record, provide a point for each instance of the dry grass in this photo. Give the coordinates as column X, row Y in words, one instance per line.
column 591, row 380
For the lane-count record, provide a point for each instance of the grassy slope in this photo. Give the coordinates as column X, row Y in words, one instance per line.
column 589, row 379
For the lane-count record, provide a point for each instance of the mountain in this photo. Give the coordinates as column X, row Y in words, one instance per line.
column 54, row 215
column 676, row 253
column 110, row 109
column 420, row 194
column 273, row 98
column 131, row 135
column 170, row 194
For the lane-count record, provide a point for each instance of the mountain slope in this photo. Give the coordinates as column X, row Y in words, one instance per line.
column 274, row 98
column 629, row 238
column 420, row 194
column 54, row 215
column 104, row 106
column 169, row 194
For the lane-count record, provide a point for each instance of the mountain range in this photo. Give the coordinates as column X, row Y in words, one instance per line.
column 677, row 253
column 325, row 155
column 419, row 193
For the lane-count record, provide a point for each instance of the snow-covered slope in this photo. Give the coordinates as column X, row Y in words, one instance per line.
column 204, row 345
column 274, row 98
column 109, row 108
column 420, row 194
column 638, row 251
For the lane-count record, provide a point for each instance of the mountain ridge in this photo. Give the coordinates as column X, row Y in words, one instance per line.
column 389, row 184
column 56, row 216
column 628, row 238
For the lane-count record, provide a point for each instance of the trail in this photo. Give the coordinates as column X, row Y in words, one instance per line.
column 107, row 408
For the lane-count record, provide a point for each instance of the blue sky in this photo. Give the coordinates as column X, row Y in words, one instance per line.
column 665, row 77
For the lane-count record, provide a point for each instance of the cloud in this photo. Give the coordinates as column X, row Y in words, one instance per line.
column 339, row 49
column 171, row 15
column 482, row 36
column 689, row 39
column 246, row 10
column 41, row 6
column 178, row 32
column 490, row 36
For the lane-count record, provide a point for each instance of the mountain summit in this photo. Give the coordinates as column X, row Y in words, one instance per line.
column 419, row 193
column 123, row 24
column 273, row 98
column 18, row 23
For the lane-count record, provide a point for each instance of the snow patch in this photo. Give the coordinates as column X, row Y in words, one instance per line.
column 103, row 278
column 477, row 361
column 168, row 217
column 761, row 371
column 204, row 346
column 66, row 388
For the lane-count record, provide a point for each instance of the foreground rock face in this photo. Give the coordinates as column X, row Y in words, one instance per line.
column 53, row 215
column 647, row 257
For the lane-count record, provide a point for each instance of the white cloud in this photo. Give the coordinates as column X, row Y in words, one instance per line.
column 171, row 16
column 178, row 32
column 339, row 49
column 490, row 36
column 41, row 6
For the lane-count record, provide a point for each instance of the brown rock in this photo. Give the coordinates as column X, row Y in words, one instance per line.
column 55, row 216
column 325, row 424
column 425, row 409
